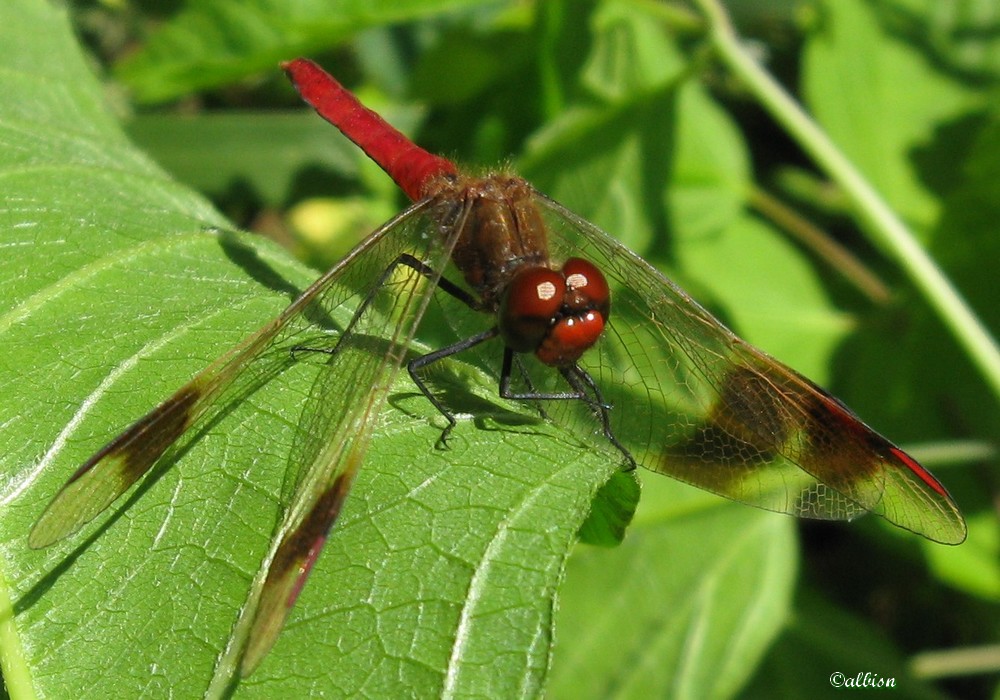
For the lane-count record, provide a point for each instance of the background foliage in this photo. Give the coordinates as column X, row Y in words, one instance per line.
column 442, row 577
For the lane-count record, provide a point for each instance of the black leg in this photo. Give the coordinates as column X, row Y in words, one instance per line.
column 581, row 382
column 577, row 377
column 416, row 364
column 531, row 394
column 584, row 387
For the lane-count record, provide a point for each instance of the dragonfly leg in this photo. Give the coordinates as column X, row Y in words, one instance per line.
column 580, row 379
column 584, row 387
column 443, row 283
column 416, row 364
column 531, row 394
column 296, row 349
column 581, row 382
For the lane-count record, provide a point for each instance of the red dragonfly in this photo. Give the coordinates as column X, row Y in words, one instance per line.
column 693, row 400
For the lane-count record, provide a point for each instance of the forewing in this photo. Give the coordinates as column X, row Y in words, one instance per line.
column 123, row 461
column 258, row 359
column 693, row 401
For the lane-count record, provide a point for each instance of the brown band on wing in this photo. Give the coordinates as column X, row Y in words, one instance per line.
column 141, row 445
column 301, row 546
column 746, row 426
column 841, row 449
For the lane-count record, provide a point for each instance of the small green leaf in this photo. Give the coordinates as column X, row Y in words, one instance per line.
column 612, row 511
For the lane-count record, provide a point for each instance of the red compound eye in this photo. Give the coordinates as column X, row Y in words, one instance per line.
column 530, row 306
column 590, row 287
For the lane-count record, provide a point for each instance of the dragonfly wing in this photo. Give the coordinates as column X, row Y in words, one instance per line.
column 123, row 461
column 112, row 470
column 697, row 403
column 338, row 419
column 255, row 361
column 293, row 560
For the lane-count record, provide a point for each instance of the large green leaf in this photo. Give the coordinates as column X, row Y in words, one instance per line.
column 120, row 284
column 441, row 576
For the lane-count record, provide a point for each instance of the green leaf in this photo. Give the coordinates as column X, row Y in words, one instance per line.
column 612, row 511
column 709, row 587
column 259, row 151
column 824, row 649
column 632, row 53
column 879, row 97
column 215, row 42
column 654, row 167
column 117, row 288
column 769, row 293
column 263, row 153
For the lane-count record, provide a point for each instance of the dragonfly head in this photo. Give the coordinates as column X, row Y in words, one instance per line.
column 556, row 314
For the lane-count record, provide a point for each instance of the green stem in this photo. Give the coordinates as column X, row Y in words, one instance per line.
column 897, row 239
column 820, row 243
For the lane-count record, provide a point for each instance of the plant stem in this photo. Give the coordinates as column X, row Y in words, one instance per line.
column 897, row 240
column 820, row 243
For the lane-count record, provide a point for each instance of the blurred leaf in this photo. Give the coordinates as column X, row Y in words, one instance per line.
column 768, row 291
column 263, row 152
column 962, row 41
column 665, row 166
column 884, row 79
column 462, row 66
column 823, row 649
column 706, row 589
column 711, row 171
column 214, row 42
column 632, row 53
column 974, row 567
column 879, row 98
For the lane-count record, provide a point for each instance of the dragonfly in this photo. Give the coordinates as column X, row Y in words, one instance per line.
column 578, row 327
